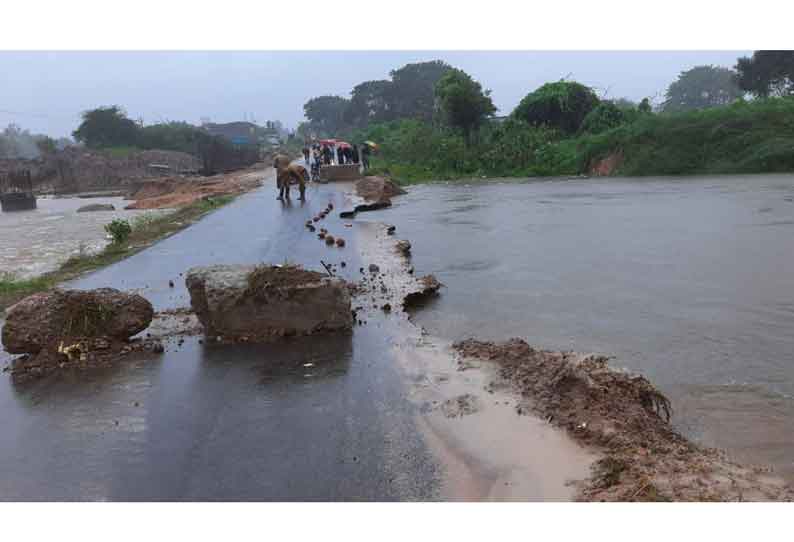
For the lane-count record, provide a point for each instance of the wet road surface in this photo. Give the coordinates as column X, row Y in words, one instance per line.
column 323, row 418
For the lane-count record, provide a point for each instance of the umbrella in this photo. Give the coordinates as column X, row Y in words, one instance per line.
column 343, row 145
column 328, row 142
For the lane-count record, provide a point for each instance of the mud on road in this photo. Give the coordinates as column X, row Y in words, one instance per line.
column 626, row 418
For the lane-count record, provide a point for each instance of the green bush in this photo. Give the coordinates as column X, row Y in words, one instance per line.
column 562, row 105
column 119, row 230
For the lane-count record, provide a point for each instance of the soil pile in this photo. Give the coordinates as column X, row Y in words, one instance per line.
column 377, row 188
column 74, row 328
column 268, row 278
column 180, row 191
column 43, row 320
column 627, row 418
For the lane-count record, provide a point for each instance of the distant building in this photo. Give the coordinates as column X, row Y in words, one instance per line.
column 241, row 133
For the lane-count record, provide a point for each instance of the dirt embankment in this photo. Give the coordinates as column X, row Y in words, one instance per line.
column 78, row 169
column 627, row 419
column 180, row 191
column 606, row 166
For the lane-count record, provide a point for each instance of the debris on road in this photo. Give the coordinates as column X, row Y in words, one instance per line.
column 264, row 302
column 627, row 418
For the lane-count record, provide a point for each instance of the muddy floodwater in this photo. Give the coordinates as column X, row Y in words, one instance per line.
column 37, row 241
column 688, row 281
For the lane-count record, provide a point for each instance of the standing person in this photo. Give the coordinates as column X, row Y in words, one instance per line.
column 348, row 155
column 340, row 156
column 354, row 154
column 365, row 156
column 306, row 154
column 326, row 155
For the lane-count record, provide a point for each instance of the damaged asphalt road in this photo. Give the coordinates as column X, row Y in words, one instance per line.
column 319, row 418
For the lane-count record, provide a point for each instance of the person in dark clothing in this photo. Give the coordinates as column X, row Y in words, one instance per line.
column 348, row 155
column 354, row 154
column 365, row 156
column 340, row 156
column 326, row 155
column 306, row 154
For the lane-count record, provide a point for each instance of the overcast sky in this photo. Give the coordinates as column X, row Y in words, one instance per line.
column 45, row 92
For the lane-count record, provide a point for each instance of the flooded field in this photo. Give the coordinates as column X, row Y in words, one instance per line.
column 34, row 242
column 688, row 281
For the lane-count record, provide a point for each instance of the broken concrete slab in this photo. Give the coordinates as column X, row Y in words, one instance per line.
column 261, row 302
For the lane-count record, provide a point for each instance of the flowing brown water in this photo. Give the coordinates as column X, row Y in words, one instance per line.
column 688, row 281
column 34, row 242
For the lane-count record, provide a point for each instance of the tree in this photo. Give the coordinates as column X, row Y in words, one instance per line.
column 369, row 102
column 172, row 136
column 326, row 113
column 106, row 127
column 412, row 91
column 605, row 116
column 767, row 73
column 562, row 105
column 645, row 106
column 462, row 102
column 702, row 87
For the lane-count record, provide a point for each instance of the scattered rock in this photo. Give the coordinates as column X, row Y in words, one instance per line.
column 373, row 268
column 329, row 240
column 386, row 307
column 340, row 242
column 170, row 283
column 391, row 229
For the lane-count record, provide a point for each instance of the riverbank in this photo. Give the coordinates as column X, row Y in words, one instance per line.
column 744, row 137
column 192, row 203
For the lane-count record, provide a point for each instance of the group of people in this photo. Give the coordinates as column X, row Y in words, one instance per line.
column 288, row 173
column 324, row 154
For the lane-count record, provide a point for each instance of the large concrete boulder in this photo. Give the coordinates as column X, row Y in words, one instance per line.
column 43, row 320
column 260, row 302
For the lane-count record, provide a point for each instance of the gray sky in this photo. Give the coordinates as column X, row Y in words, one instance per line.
column 46, row 91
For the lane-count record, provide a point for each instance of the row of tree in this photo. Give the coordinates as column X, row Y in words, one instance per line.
column 409, row 93
column 107, row 127
column 435, row 91
column 764, row 74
